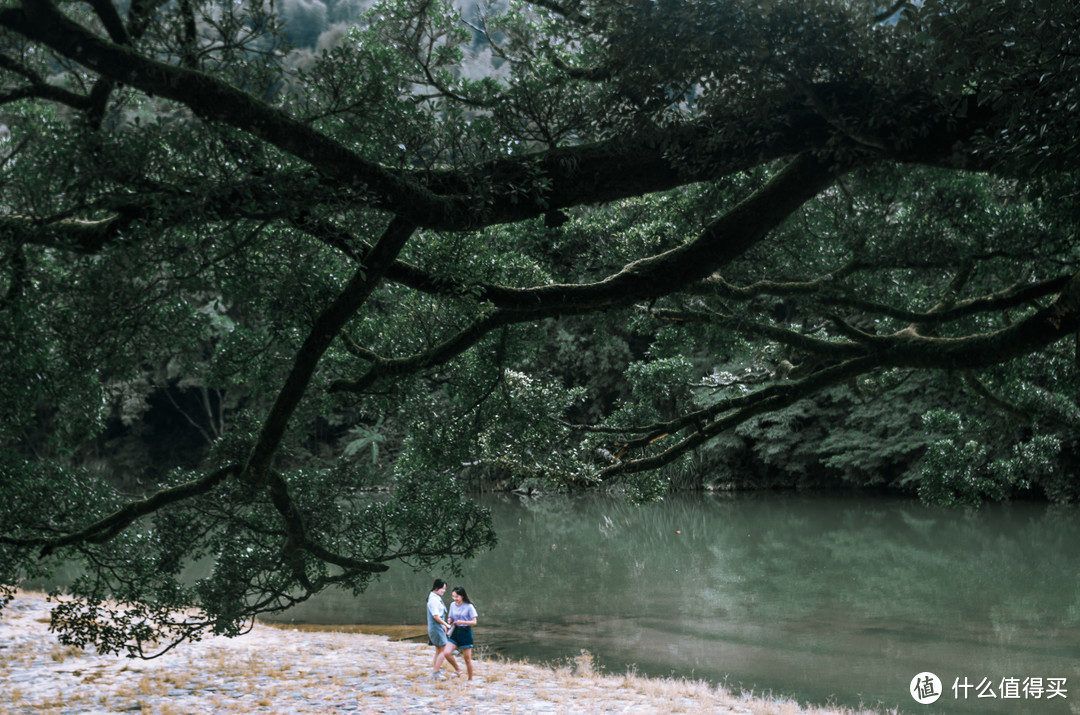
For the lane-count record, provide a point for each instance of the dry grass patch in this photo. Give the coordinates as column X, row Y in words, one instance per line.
column 577, row 681
column 12, row 655
column 411, row 634
column 259, row 670
column 159, row 708
column 502, row 670
column 15, row 697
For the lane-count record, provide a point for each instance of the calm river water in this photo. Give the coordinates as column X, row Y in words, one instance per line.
column 842, row 599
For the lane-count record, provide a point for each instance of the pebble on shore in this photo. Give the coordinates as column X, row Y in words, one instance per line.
column 287, row 671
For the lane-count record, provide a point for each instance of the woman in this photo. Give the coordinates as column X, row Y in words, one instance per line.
column 436, row 628
column 462, row 618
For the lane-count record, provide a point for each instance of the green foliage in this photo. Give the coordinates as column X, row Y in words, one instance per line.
column 300, row 261
column 881, row 433
column 959, row 470
column 365, row 438
column 515, row 433
column 780, row 439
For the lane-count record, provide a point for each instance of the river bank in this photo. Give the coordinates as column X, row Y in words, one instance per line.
column 282, row 670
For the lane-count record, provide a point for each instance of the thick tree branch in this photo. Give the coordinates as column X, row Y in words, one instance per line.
column 325, row 330
column 824, row 291
column 720, row 242
column 383, row 368
column 346, row 562
column 263, row 198
column 821, row 348
column 69, row 234
column 190, row 35
column 559, row 178
column 111, row 20
column 39, row 88
column 949, row 298
column 716, row 285
column 744, row 407
column 902, row 349
column 105, row 529
column 909, row 349
column 215, row 100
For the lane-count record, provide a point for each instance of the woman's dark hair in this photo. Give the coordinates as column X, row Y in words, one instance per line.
column 439, row 583
column 461, row 592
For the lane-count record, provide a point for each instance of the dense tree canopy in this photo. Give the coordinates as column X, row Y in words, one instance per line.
column 561, row 244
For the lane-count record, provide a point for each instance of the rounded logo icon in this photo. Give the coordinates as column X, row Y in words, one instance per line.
column 925, row 688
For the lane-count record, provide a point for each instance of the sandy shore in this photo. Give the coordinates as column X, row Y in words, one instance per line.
column 278, row 670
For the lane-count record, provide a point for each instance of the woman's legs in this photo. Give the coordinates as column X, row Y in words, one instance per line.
column 447, row 654
column 438, row 659
column 468, row 661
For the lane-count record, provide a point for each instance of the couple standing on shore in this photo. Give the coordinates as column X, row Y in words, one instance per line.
column 449, row 631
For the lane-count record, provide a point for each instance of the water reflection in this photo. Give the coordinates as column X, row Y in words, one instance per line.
column 818, row 598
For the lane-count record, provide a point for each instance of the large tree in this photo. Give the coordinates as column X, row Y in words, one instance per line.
column 408, row 223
